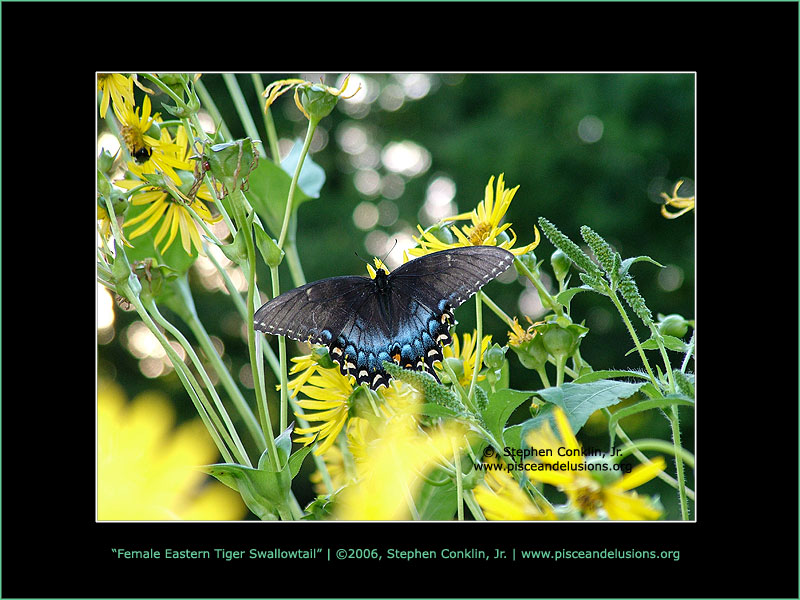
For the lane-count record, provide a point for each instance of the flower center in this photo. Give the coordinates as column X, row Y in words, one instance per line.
column 479, row 234
column 134, row 141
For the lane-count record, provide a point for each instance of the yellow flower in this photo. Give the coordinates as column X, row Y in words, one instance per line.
column 390, row 472
column 114, row 86
column 177, row 216
column 502, row 499
column 328, row 392
column 337, row 470
column 278, row 88
column 485, row 228
column 586, row 493
column 685, row 204
column 146, row 466
column 151, row 154
column 518, row 336
column 467, row 353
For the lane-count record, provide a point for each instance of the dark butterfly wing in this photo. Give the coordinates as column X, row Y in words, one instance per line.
column 425, row 291
column 316, row 312
column 404, row 317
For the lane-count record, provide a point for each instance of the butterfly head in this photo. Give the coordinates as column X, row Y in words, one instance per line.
column 378, row 268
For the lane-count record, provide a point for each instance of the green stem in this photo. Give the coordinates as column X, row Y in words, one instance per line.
column 284, row 414
column 224, row 375
column 242, row 109
column 312, row 126
column 676, row 441
column 459, row 482
column 665, row 477
column 474, row 507
column 207, row 415
column 165, row 88
column 211, row 107
column 237, row 202
column 543, row 376
column 228, row 430
column 667, row 366
column 478, row 345
column 632, row 332
column 496, row 309
column 269, row 124
column 547, row 299
column 655, row 445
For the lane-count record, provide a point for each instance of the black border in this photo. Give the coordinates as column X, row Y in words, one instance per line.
column 745, row 54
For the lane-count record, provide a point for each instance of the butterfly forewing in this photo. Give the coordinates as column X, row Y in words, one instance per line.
column 454, row 274
column 305, row 313
column 404, row 317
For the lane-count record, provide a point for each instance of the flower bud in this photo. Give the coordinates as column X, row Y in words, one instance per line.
column 441, row 233
column 529, row 260
column 119, row 201
column 457, row 365
column 560, row 263
column 322, row 357
column 531, row 353
column 558, row 341
column 674, row 325
column 494, row 356
column 105, row 161
column 231, row 162
column 316, row 101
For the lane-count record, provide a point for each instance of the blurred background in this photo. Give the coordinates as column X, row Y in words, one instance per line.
column 409, row 149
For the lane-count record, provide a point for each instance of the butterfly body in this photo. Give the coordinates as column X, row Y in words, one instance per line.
column 403, row 316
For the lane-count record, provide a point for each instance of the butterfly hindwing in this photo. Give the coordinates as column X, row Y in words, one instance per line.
column 403, row 317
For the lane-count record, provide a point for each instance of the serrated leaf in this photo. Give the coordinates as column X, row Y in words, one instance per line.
column 596, row 375
column 501, row 404
column 645, row 405
column 432, row 409
column 580, row 400
column 670, row 343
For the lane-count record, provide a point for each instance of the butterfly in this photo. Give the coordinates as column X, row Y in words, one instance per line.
column 403, row 316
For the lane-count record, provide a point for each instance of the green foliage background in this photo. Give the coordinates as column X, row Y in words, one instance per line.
column 475, row 126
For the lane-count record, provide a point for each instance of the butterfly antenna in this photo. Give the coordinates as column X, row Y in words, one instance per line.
column 390, row 250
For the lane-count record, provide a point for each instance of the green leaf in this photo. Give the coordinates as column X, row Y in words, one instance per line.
column 268, row 247
column 670, row 343
column 580, row 400
column 296, row 460
column 312, row 176
column 626, row 264
column 437, row 502
column 269, row 189
column 644, row 405
column 565, row 297
column 262, row 491
column 432, row 409
column 501, row 404
column 595, row 375
column 512, row 436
